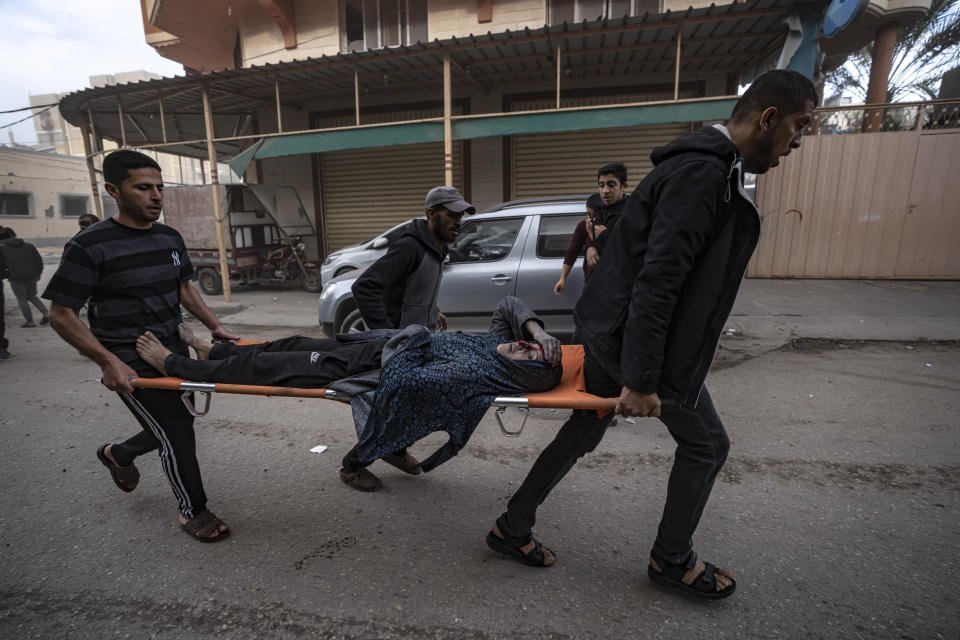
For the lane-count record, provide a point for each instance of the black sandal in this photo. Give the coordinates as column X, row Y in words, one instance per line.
column 703, row 586
column 511, row 545
column 126, row 478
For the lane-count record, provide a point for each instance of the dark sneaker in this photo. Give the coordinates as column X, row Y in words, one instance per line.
column 406, row 463
column 4, row 354
column 45, row 320
column 361, row 479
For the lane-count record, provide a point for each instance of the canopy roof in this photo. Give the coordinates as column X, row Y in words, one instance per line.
column 715, row 40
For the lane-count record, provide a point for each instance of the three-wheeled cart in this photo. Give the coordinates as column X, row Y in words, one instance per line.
column 268, row 235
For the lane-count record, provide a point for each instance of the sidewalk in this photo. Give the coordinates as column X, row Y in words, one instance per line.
column 769, row 310
column 899, row 310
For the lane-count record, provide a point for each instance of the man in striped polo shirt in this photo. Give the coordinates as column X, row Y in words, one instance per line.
column 133, row 274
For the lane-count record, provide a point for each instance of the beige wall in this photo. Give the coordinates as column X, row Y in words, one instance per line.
column 318, row 33
column 44, row 178
column 449, row 18
column 683, row 5
column 318, row 27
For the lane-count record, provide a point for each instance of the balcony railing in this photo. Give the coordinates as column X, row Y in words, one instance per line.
column 898, row 116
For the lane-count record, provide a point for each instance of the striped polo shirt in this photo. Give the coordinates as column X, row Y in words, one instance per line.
column 130, row 281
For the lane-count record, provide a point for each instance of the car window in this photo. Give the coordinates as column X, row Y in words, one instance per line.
column 485, row 240
column 554, row 235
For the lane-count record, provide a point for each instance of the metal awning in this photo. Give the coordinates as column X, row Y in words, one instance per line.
column 469, row 127
column 167, row 114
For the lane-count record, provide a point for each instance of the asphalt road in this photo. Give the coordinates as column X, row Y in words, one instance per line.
column 837, row 510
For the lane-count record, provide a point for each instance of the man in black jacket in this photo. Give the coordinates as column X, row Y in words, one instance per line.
column 4, row 343
column 652, row 315
column 401, row 288
column 25, row 267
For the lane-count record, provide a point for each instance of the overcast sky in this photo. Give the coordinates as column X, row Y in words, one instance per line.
column 54, row 46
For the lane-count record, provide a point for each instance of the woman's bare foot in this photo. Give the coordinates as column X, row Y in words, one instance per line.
column 200, row 346
column 723, row 577
column 152, row 351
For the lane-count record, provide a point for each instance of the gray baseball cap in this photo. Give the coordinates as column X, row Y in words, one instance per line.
column 450, row 198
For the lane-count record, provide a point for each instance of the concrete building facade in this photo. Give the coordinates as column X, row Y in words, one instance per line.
column 42, row 194
column 363, row 105
column 595, row 70
column 57, row 139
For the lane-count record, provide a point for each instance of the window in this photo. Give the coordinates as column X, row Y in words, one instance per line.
column 485, row 240
column 372, row 24
column 74, row 206
column 255, row 236
column 555, row 233
column 579, row 10
column 14, row 204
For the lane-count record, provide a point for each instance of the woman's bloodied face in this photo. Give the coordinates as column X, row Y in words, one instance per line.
column 521, row 350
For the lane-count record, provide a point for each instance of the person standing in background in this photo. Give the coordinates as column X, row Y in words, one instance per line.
column 581, row 240
column 4, row 343
column 25, row 266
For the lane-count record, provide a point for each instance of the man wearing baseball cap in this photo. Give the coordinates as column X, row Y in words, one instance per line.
column 401, row 288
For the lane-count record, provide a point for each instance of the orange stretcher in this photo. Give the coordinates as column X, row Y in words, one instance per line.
column 569, row 394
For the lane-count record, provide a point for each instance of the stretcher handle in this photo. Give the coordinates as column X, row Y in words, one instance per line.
column 177, row 384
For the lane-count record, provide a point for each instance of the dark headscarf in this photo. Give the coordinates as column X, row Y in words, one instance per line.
column 444, row 382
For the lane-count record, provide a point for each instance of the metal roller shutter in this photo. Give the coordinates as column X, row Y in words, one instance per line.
column 554, row 164
column 367, row 191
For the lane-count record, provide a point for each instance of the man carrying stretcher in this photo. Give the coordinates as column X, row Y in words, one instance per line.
column 404, row 383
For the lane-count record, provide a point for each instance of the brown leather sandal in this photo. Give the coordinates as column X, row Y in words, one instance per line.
column 203, row 525
column 126, row 478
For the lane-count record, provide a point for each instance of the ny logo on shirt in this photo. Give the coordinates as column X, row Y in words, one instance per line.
column 176, row 257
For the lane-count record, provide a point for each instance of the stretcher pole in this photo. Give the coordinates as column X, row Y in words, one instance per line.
column 176, row 384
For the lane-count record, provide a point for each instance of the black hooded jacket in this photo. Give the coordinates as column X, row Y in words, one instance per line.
column 656, row 305
column 23, row 260
column 401, row 288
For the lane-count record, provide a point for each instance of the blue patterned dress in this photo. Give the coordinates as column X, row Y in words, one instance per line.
column 444, row 382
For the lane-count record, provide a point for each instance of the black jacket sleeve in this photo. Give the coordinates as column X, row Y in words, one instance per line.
column 37, row 262
column 382, row 278
column 510, row 316
column 685, row 213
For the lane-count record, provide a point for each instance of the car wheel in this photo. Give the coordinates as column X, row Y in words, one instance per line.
column 210, row 281
column 310, row 280
column 342, row 270
column 353, row 323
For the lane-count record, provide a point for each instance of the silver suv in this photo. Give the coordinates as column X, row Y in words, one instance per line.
column 515, row 248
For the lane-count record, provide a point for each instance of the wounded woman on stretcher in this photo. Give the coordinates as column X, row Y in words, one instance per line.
column 404, row 383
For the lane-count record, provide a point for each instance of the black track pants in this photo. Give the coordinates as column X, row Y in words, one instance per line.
column 702, row 447
column 167, row 426
column 290, row 362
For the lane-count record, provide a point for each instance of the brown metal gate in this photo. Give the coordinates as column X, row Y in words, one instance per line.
column 866, row 205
